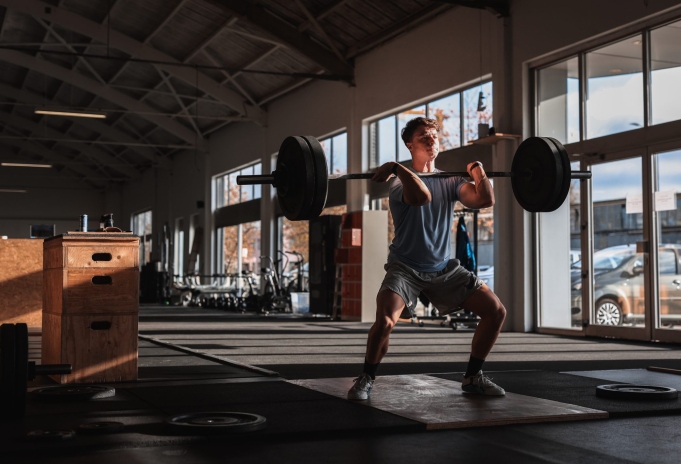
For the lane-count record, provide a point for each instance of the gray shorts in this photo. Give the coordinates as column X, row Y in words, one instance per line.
column 446, row 289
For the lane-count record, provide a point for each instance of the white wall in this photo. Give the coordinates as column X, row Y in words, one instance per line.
column 60, row 206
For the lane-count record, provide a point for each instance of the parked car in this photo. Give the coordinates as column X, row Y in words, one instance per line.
column 619, row 287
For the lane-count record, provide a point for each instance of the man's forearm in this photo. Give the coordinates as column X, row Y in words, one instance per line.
column 414, row 191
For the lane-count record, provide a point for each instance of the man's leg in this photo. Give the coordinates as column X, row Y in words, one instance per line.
column 389, row 306
column 484, row 303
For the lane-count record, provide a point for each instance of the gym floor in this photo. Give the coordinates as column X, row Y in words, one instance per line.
column 194, row 359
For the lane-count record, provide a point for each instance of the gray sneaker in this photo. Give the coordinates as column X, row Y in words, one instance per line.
column 481, row 385
column 361, row 389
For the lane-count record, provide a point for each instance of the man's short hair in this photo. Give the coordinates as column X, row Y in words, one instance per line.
column 410, row 128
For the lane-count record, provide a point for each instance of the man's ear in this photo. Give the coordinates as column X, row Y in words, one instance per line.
column 408, row 146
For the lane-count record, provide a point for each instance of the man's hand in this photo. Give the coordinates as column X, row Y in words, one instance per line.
column 384, row 173
column 480, row 194
column 476, row 171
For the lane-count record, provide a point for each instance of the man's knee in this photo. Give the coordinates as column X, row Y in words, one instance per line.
column 389, row 305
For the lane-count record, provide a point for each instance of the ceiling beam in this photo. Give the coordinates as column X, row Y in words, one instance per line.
column 91, row 124
column 13, row 120
column 137, row 49
column 302, row 27
column 289, row 35
column 499, row 8
column 105, row 92
column 85, row 174
column 405, row 24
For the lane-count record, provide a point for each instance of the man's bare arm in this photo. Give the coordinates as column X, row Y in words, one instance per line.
column 414, row 191
column 479, row 194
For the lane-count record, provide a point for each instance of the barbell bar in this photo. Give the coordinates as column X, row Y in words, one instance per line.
column 540, row 176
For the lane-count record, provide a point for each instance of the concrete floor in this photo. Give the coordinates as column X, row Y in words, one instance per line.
column 308, row 349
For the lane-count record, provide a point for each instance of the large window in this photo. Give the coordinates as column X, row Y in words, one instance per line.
column 458, row 114
column 141, row 226
column 336, row 151
column 241, row 248
column 614, row 95
column 228, row 192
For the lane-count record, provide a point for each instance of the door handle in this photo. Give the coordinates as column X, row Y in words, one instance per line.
column 676, row 282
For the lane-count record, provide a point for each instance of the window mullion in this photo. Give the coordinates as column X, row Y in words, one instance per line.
column 581, row 63
column 647, row 108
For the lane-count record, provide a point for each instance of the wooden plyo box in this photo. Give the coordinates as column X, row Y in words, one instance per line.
column 91, row 305
column 21, row 281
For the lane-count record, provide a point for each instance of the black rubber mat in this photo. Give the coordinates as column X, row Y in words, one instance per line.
column 572, row 389
column 289, row 409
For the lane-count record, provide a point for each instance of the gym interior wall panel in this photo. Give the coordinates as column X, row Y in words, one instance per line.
column 236, row 145
column 59, row 206
column 435, row 57
column 239, row 213
column 318, row 109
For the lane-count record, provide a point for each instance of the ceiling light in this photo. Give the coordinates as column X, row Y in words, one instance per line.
column 637, row 42
column 26, row 165
column 71, row 113
column 616, row 71
column 12, row 191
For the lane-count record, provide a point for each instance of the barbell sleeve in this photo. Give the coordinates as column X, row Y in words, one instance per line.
column 255, row 179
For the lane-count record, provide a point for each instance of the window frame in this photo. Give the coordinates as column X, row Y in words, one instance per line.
column 643, row 28
column 373, row 132
column 219, row 181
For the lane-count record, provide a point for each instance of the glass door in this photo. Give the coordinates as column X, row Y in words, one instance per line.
column 666, row 211
column 617, row 297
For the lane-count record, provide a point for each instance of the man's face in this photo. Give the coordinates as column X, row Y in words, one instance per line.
column 425, row 143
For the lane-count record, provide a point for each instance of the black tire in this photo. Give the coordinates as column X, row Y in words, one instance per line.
column 609, row 312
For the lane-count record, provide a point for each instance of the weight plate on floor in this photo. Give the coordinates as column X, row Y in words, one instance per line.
column 96, row 428
column 540, row 191
column 50, row 435
column 7, row 370
column 74, row 393
column 21, row 370
column 636, row 392
column 565, row 179
column 217, row 422
column 294, row 178
column 321, row 170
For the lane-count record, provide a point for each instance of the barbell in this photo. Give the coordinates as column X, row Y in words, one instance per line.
column 540, row 176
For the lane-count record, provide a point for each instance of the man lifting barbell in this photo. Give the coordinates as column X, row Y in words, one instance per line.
column 422, row 200
column 419, row 258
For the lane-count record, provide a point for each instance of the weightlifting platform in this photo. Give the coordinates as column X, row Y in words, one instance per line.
column 441, row 404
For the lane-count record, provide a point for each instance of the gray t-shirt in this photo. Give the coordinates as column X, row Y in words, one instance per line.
column 422, row 232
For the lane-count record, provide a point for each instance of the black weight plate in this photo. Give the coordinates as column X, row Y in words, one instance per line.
column 321, row 170
column 539, row 192
column 217, row 422
column 7, row 374
column 50, row 435
column 97, row 428
column 565, row 180
column 295, row 178
column 21, row 370
column 636, row 392
column 74, row 393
